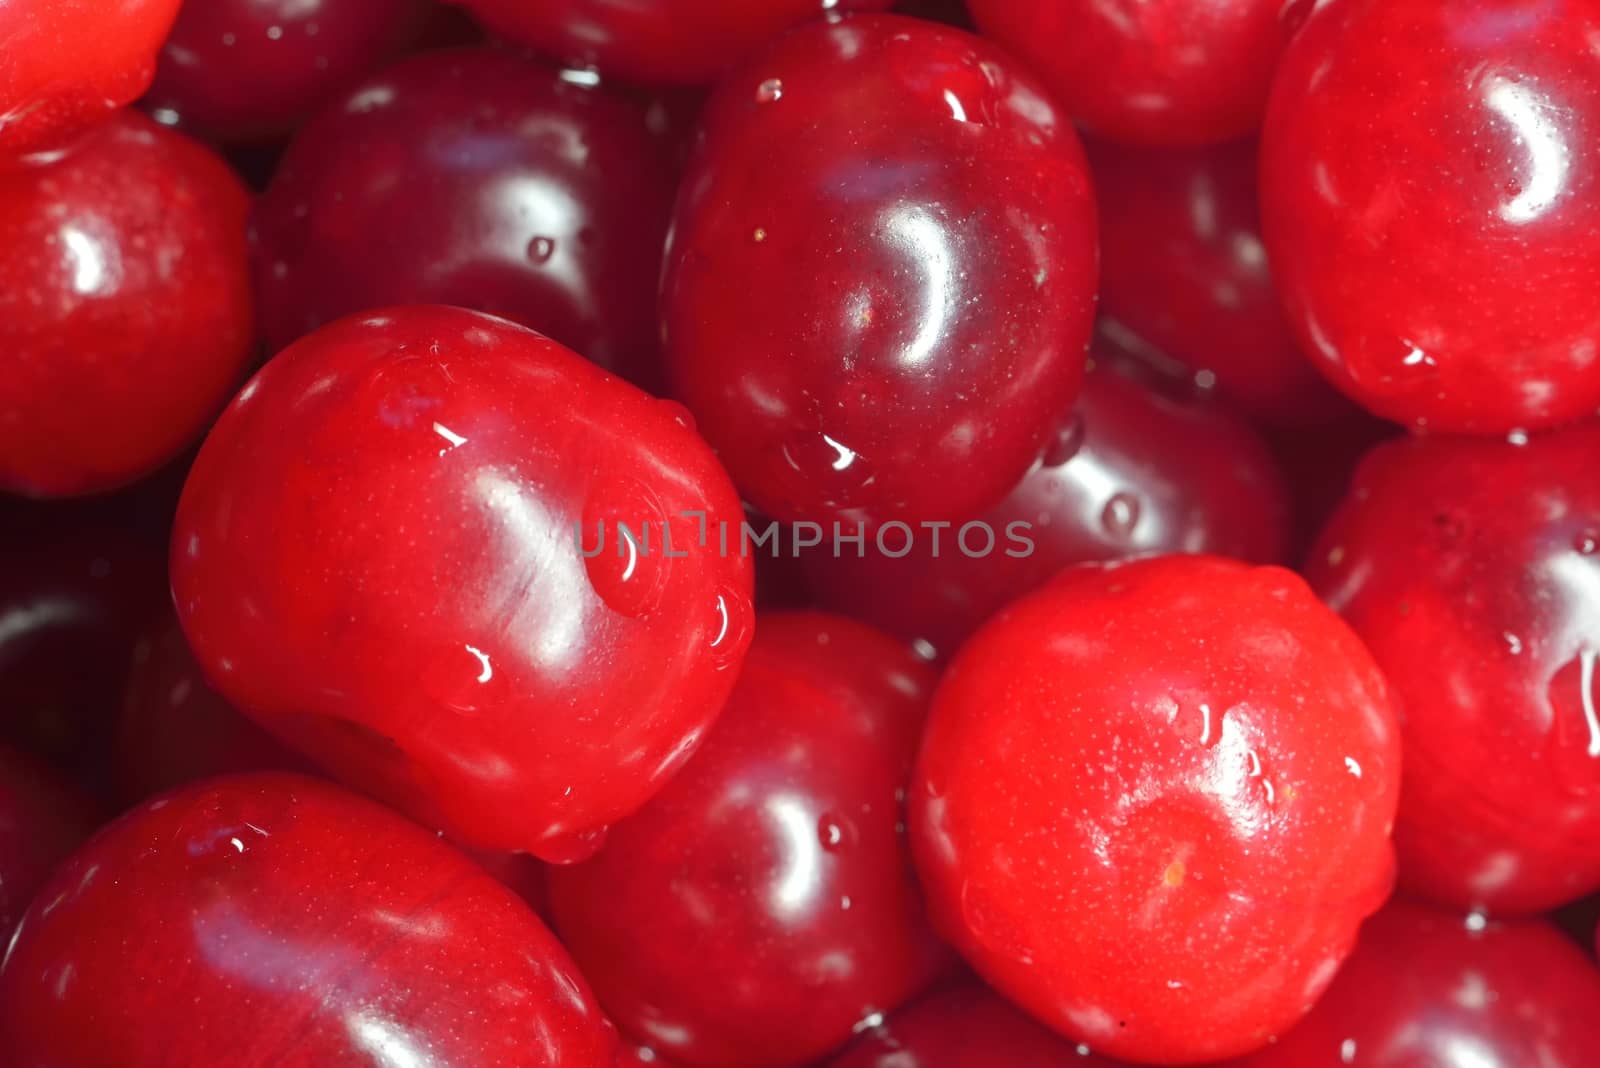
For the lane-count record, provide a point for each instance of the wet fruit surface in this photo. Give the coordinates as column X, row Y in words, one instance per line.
column 125, row 313
column 1433, row 235
column 762, row 906
column 523, row 194
column 909, row 225
column 378, row 555
column 42, row 819
column 1165, row 847
column 275, row 919
column 1469, row 568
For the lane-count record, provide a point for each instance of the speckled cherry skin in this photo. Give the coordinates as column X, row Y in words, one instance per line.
column 909, row 226
column 965, row 1026
column 1433, row 235
column 1135, row 470
column 125, row 315
column 246, row 70
column 377, row 557
column 42, row 819
column 1470, row 569
column 1426, row 990
column 1164, row 847
column 67, row 64
column 1183, row 270
column 521, row 194
column 274, row 919
column 763, row 905
column 1156, row 72
column 654, row 42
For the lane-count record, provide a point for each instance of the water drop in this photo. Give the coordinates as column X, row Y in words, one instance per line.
column 1513, row 643
column 1198, row 721
column 1575, row 726
column 624, row 540
column 769, row 91
column 730, row 626
column 1586, row 543
column 678, row 413
column 1120, row 515
column 1066, row 443
column 540, row 249
column 836, row 833
column 572, row 848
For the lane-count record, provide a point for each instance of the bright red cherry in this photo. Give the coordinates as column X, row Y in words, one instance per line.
column 965, row 1026
column 1159, row 72
column 1183, row 271
column 240, row 70
column 651, row 42
column 477, row 178
column 400, row 551
column 1164, row 845
column 42, row 819
column 276, row 919
column 124, row 306
column 1426, row 989
column 1134, row 471
column 1471, row 569
column 909, row 228
column 67, row 64
column 762, row 906
column 1433, row 234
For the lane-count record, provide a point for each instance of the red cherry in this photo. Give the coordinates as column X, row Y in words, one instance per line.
column 1183, row 270
column 124, row 306
column 908, row 224
column 1425, row 988
column 1133, row 471
column 275, row 919
column 1432, row 234
column 965, row 1026
column 1160, row 72
column 239, row 70
column 42, row 819
column 378, row 556
column 69, row 63
column 1164, row 845
column 1470, row 569
column 521, row 194
column 762, row 906
column 686, row 42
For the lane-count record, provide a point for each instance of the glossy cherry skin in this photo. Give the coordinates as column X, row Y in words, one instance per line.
column 1427, row 989
column 377, row 556
column 240, row 70
column 1134, row 471
column 125, row 314
column 276, row 919
column 1432, row 235
column 1165, row 845
column 1184, row 271
column 1469, row 568
column 1157, row 72
column 654, row 42
column 965, row 1026
column 762, row 905
column 523, row 195
column 42, row 819
column 909, row 225
column 68, row 64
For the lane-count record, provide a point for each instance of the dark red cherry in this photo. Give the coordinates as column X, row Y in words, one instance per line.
column 1132, row 471
column 653, row 42
column 68, row 64
column 1158, row 72
column 42, row 819
column 909, row 228
column 276, row 919
column 1433, row 234
column 762, row 906
column 1471, row 569
column 1428, row 989
column 476, row 178
column 1183, row 271
column 124, row 306
column 1153, row 804
column 400, row 551
column 242, row 70
column 965, row 1026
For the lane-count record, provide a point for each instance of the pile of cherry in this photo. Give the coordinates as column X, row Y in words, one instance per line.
column 759, row 533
